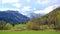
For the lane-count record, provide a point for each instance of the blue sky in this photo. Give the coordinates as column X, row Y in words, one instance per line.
column 29, row 6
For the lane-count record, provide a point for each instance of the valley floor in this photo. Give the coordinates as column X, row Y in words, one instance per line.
column 29, row 32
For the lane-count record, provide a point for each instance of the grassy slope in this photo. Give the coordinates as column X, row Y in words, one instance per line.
column 30, row 32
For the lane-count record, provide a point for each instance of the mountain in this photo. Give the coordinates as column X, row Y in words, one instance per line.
column 34, row 15
column 51, row 18
column 13, row 17
column 48, row 21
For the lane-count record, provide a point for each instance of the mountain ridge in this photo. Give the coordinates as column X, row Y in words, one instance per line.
column 13, row 16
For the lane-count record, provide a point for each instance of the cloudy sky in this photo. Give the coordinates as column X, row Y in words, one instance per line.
column 29, row 6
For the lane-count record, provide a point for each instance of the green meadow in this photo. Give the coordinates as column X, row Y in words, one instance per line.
column 19, row 29
column 29, row 32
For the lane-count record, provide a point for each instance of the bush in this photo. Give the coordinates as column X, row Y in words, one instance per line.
column 19, row 27
column 58, row 27
column 52, row 26
column 43, row 27
column 8, row 26
column 2, row 25
column 33, row 25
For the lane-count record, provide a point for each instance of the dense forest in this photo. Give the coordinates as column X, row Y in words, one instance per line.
column 52, row 20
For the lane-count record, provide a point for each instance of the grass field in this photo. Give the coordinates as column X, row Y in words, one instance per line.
column 29, row 32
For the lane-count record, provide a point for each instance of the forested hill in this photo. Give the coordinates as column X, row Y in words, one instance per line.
column 12, row 16
column 51, row 18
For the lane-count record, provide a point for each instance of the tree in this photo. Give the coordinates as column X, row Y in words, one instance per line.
column 8, row 26
column 34, row 25
column 2, row 25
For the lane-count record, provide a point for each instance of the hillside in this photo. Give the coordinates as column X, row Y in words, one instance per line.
column 51, row 18
column 12, row 17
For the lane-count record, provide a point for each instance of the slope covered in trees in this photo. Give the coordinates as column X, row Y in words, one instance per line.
column 13, row 17
column 51, row 18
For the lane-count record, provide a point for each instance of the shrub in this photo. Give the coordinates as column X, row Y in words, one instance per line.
column 33, row 25
column 19, row 27
column 43, row 27
column 58, row 27
column 52, row 26
column 2, row 25
column 8, row 26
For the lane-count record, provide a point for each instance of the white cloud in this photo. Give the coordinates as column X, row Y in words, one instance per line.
column 0, row 0
column 38, row 11
column 17, row 5
column 54, row 1
column 50, row 8
column 26, row 8
column 9, row 1
column 34, row 8
column 4, row 9
column 43, row 2
column 46, row 10
column 28, row 0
